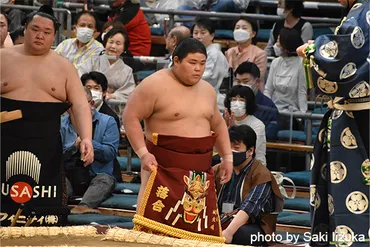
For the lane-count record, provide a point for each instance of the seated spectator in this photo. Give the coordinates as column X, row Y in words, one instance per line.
column 290, row 11
column 252, row 192
column 286, row 84
column 4, row 25
column 95, row 182
column 17, row 35
column 120, row 77
column 234, row 6
column 216, row 64
column 97, row 83
column 245, row 31
column 128, row 12
column 240, row 106
column 16, row 16
column 248, row 74
column 174, row 37
column 79, row 50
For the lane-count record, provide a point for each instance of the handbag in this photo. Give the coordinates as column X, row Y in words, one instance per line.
column 280, row 181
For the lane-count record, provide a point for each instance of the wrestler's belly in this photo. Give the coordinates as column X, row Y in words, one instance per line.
column 35, row 94
column 183, row 128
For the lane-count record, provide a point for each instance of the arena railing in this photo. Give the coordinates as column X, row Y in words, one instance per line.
column 60, row 16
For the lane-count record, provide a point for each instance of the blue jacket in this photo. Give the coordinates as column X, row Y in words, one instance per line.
column 105, row 142
column 268, row 113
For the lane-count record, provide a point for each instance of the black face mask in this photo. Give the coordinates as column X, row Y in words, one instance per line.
column 239, row 158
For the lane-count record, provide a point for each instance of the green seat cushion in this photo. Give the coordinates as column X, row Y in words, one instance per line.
column 101, row 219
column 157, row 31
column 296, row 220
column 301, row 178
column 120, row 201
column 302, row 204
column 285, row 214
column 141, row 75
column 127, row 188
column 135, row 163
column 284, row 135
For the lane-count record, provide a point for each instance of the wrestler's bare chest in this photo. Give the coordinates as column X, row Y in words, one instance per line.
column 33, row 79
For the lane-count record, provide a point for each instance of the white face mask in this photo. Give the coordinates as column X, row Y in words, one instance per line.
column 280, row 13
column 84, row 34
column 97, row 97
column 238, row 108
column 241, row 35
column 277, row 50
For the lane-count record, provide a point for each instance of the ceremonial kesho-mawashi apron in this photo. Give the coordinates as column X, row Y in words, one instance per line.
column 31, row 164
column 180, row 196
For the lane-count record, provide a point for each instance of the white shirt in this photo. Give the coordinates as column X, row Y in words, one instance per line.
column 258, row 127
column 286, row 84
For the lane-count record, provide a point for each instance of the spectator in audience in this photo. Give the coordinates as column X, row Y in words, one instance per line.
column 216, row 64
column 79, row 50
column 290, row 11
column 286, row 84
column 235, row 6
column 17, row 36
column 174, row 37
column 16, row 16
column 129, row 13
column 4, row 24
column 240, row 106
column 252, row 192
column 97, row 83
column 120, row 77
column 245, row 31
column 95, row 182
column 248, row 74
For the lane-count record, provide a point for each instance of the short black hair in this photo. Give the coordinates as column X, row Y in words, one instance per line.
column 243, row 92
column 296, row 6
column 248, row 68
column 46, row 12
column 86, row 12
column 290, row 40
column 6, row 17
column 189, row 45
column 245, row 134
column 97, row 77
column 205, row 23
column 253, row 24
column 15, row 34
column 113, row 32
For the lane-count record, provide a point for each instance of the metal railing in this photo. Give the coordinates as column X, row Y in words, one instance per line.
column 306, row 4
column 60, row 12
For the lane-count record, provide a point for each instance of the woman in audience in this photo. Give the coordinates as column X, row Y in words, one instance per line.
column 216, row 64
column 290, row 11
column 120, row 78
column 286, row 84
column 240, row 105
column 245, row 32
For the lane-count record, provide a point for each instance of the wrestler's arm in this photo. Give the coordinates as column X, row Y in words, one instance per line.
column 80, row 111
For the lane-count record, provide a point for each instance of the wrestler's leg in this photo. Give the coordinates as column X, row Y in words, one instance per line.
column 144, row 180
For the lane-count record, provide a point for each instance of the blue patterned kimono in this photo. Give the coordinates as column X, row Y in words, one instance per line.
column 340, row 165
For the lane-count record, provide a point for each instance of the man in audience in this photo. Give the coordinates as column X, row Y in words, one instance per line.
column 15, row 15
column 174, row 37
column 251, row 196
column 4, row 26
column 78, row 50
column 248, row 74
column 96, row 181
column 128, row 12
column 43, row 85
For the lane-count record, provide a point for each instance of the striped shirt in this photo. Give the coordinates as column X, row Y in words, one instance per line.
column 78, row 56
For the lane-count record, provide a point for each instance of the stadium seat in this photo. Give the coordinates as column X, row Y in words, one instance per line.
column 135, row 164
column 301, row 204
column 300, row 178
column 100, row 219
column 127, row 188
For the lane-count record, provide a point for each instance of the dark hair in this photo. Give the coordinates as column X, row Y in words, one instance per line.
column 203, row 23
column 86, row 12
column 290, row 40
column 253, row 24
column 189, row 45
column 6, row 17
column 248, row 68
column 243, row 92
column 113, row 32
column 296, row 6
column 97, row 77
column 46, row 12
column 15, row 34
column 245, row 134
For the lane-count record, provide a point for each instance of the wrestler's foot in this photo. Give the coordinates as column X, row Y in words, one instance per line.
column 84, row 210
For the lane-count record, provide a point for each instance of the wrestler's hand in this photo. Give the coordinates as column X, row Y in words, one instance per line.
column 229, row 237
column 303, row 48
column 147, row 162
column 226, row 171
column 87, row 152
